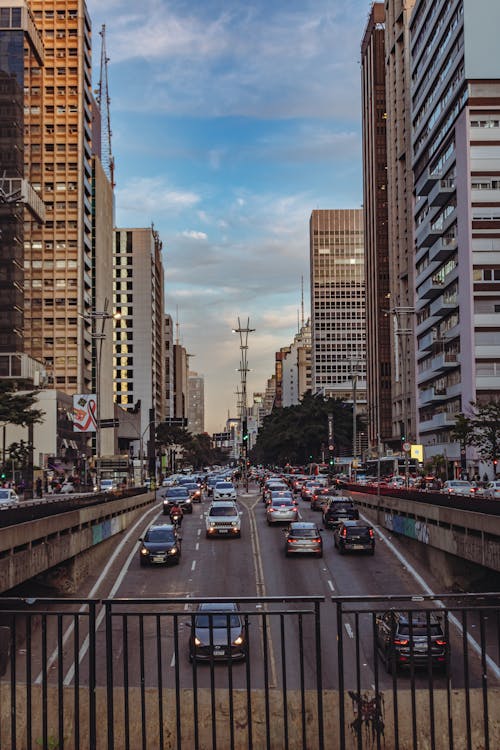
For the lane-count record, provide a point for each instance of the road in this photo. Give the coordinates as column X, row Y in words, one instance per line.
column 282, row 648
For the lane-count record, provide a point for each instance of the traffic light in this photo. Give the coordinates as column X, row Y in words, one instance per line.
column 245, row 429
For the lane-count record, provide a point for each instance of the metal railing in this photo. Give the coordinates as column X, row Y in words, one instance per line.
column 294, row 672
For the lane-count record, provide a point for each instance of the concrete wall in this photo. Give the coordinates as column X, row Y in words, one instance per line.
column 145, row 716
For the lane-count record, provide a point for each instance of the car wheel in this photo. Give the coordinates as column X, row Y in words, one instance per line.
column 388, row 663
column 341, row 549
column 287, row 554
column 372, row 552
column 320, row 554
column 335, row 543
column 142, row 562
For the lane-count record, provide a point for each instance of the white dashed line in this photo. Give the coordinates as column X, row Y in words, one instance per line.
column 330, row 584
column 348, row 630
column 193, row 565
column 197, row 546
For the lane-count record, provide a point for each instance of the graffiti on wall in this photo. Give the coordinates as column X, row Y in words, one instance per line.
column 408, row 527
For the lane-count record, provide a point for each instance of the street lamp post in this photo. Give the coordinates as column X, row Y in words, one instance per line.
column 98, row 335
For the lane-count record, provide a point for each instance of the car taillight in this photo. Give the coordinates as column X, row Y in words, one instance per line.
column 271, row 510
column 401, row 641
column 344, row 533
column 371, row 533
column 440, row 642
column 317, row 540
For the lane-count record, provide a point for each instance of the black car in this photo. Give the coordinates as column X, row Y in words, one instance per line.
column 354, row 536
column 303, row 537
column 218, row 632
column 411, row 638
column 160, row 545
column 322, row 496
column 339, row 509
column 181, row 496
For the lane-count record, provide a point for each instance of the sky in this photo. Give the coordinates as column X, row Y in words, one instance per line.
column 231, row 122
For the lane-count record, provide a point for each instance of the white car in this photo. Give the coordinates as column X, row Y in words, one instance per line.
column 8, row 496
column 224, row 491
column 223, row 519
column 492, row 490
column 108, row 485
column 458, row 487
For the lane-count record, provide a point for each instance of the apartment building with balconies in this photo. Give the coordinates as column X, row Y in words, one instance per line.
column 455, row 111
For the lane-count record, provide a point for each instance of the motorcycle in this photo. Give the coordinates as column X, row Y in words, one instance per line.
column 176, row 518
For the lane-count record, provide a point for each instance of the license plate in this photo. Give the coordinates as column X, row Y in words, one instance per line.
column 222, row 531
column 357, row 546
column 219, row 651
column 158, row 559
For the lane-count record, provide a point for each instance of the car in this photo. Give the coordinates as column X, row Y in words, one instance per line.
column 273, row 485
column 223, row 519
column 281, row 510
column 224, row 491
column 218, row 632
column 106, row 485
column 492, row 490
column 8, row 496
column 180, row 495
column 350, row 536
column 303, row 537
column 321, row 497
column 308, row 489
column 414, row 638
column 161, row 545
column 67, row 488
column 339, row 509
column 273, row 494
column 458, row 487
column 194, row 491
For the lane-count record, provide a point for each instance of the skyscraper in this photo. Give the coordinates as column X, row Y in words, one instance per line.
column 338, row 358
column 455, row 110
column 58, row 253
column 400, row 219
column 378, row 329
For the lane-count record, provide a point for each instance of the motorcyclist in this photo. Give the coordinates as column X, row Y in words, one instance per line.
column 176, row 514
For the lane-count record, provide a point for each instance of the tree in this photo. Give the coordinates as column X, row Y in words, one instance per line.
column 486, row 436
column 298, row 434
column 17, row 408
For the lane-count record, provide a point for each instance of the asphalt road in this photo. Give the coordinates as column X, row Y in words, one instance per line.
column 152, row 648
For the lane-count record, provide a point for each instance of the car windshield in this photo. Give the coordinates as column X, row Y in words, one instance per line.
column 160, row 535
column 357, row 530
column 304, row 532
column 4, row 495
column 224, row 511
column 459, row 484
column 224, row 486
column 217, row 620
column 341, row 506
column 284, row 503
column 177, row 492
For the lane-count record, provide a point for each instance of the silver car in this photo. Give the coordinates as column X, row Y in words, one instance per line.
column 282, row 510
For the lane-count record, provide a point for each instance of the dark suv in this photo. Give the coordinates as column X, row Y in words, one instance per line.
column 411, row 638
column 354, row 536
column 178, row 495
column 337, row 510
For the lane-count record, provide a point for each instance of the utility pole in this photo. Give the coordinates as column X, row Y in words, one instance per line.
column 243, row 370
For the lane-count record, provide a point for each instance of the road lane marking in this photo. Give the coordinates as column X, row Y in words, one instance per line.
column 92, row 593
column 260, row 585
column 348, row 630
column 427, row 589
column 332, row 588
column 193, row 565
column 197, row 546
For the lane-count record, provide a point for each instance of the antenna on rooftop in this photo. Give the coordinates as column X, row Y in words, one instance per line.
column 103, row 100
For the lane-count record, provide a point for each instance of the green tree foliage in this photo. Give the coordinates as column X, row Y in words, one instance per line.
column 463, row 431
column 295, row 433
column 486, row 436
column 17, row 408
column 20, row 453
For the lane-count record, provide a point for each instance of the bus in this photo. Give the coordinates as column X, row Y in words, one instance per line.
column 390, row 466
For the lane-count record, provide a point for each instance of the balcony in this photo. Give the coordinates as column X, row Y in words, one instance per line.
column 443, row 248
column 432, row 395
column 439, row 421
column 441, row 192
column 431, row 288
column 445, row 361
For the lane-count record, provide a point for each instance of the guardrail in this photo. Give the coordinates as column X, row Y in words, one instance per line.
column 116, row 674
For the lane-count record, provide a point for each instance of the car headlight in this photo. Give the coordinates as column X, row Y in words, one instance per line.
column 172, row 551
column 234, row 523
column 197, row 641
column 238, row 641
column 144, row 551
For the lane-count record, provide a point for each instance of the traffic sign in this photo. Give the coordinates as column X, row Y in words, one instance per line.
column 406, row 447
column 330, row 447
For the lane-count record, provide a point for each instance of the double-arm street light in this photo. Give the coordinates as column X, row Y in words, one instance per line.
column 243, row 370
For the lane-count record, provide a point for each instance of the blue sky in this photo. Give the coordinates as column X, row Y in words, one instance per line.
column 231, row 122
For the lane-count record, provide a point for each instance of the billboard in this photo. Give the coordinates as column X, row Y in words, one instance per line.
column 84, row 412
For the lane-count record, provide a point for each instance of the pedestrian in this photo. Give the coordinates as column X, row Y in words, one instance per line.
column 39, row 487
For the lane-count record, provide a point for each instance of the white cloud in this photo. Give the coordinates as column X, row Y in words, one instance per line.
column 152, row 197
column 194, row 235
